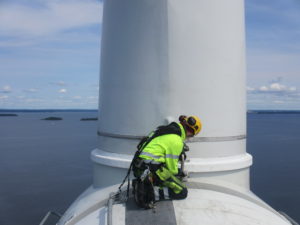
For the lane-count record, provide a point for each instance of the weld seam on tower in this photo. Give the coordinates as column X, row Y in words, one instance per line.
column 195, row 139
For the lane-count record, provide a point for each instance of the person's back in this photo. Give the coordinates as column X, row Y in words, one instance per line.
column 166, row 149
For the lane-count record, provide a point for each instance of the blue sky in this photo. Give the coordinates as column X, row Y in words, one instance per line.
column 273, row 54
column 50, row 52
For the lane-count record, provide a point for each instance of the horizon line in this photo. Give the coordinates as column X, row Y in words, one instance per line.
column 77, row 109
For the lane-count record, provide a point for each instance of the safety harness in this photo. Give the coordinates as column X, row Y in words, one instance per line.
column 172, row 128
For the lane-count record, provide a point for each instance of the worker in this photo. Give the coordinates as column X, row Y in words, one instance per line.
column 156, row 163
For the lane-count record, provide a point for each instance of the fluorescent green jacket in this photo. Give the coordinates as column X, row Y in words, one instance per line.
column 165, row 149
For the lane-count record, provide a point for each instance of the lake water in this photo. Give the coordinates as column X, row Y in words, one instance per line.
column 45, row 165
column 274, row 142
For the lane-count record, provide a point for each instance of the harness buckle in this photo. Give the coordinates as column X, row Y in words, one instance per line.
column 145, row 174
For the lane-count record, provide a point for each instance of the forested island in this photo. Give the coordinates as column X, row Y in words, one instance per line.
column 88, row 119
column 8, row 114
column 52, row 118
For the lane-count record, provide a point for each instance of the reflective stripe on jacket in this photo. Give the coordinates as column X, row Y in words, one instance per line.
column 165, row 149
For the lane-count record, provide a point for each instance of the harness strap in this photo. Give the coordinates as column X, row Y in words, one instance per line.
column 172, row 128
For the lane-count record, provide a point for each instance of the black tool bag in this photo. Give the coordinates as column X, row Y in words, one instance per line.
column 143, row 193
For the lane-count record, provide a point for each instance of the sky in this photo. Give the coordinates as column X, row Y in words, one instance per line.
column 50, row 54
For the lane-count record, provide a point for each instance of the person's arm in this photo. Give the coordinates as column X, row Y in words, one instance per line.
column 173, row 151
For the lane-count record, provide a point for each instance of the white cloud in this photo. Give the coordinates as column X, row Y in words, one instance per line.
column 49, row 18
column 63, row 90
column 59, row 83
column 263, row 88
column 33, row 100
column 274, row 88
column 93, row 100
column 14, row 43
column 275, row 95
column 250, row 89
column 278, row 102
column 92, row 97
column 6, row 89
column 77, row 97
column 62, row 101
column 277, row 87
column 31, row 90
column 3, row 97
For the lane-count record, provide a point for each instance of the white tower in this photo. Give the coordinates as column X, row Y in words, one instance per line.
column 161, row 59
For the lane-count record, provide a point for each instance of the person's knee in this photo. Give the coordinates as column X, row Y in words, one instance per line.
column 181, row 195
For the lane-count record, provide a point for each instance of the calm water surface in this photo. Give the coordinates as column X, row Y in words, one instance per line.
column 45, row 165
column 274, row 142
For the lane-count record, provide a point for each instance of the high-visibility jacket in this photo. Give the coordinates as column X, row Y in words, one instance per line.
column 165, row 149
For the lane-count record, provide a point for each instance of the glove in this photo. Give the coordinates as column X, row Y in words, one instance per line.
column 181, row 173
column 185, row 148
column 182, row 154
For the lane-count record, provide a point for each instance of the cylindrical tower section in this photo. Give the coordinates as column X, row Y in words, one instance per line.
column 207, row 71
column 206, row 42
column 163, row 58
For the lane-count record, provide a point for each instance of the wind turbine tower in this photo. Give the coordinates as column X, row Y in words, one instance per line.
column 161, row 59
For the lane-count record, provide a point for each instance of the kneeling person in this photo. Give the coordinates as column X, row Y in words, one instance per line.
column 160, row 153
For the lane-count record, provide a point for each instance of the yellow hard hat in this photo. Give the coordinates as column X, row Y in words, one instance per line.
column 192, row 122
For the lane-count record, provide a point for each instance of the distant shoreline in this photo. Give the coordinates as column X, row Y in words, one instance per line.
column 46, row 110
column 273, row 111
column 95, row 110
